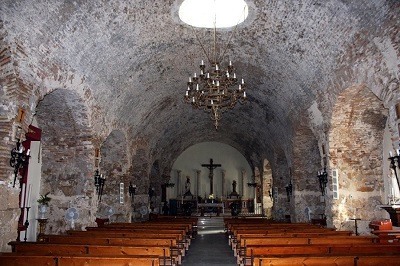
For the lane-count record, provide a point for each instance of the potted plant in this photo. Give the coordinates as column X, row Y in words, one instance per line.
column 43, row 204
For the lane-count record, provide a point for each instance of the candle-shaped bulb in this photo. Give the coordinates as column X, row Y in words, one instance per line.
column 227, row 74
column 208, row 75
column 230, row 63
column 242, row 81
column 216, row 67
column 197, row 87
column 244, row 94
column 212, row 102
column 202, row 62
column 217, row 83
column 190, row 79
column 390, row 154
column 240, row 87
column 187, row 93
column 201, row 72
column 193, row 101
column 28, row 152
column 195, row 75
column 234, row 75
column 398, row 152
column 188, row 88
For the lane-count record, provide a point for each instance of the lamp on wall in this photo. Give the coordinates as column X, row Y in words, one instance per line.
column 289, row 190
column 99, row 181
column 323, row 180
column 19, row 158
column 132, row 190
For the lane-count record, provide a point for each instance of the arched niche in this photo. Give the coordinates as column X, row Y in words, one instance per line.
column 67, row 158
column 355, row 157
column 234, row 166
column 114, row 166
column 306, row 162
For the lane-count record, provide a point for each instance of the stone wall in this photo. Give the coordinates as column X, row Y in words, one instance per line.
column 68, row 159
column 355, row 150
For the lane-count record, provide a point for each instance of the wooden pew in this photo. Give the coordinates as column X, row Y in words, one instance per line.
column 373, row 260
column 353, row 249
column 32, row 248
column 14, row 259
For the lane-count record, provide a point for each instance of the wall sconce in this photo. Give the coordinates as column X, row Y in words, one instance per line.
column 289, row 190
column 132, row 189
column 99, row 181
column 323, row 180
column 19, row 158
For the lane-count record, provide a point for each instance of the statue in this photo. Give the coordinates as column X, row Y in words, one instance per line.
column 234, row 193
column 187, row 187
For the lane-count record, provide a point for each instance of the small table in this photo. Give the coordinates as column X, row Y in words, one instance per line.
column 355, row 224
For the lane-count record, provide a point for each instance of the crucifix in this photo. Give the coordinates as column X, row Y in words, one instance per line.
column 211, row 166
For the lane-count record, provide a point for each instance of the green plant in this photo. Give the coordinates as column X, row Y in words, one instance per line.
column 44, row 199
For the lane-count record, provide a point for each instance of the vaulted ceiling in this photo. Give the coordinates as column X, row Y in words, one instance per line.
column 131, row 59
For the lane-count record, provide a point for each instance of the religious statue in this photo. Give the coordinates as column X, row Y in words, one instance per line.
column 187, row 187
column 234, row 193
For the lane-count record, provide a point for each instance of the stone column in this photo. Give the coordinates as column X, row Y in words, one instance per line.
column 178, row 183
column 198, row 172
column 223, row 183
column 242, row 182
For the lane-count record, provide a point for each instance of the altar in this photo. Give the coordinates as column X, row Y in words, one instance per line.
column 203, row 207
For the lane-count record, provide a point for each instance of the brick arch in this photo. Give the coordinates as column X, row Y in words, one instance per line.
column 67, row 157
column 355, row 150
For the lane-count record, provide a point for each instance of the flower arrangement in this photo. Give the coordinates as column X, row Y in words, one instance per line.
column 44, row 199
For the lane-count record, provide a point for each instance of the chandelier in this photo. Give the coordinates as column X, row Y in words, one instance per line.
column 216, row 88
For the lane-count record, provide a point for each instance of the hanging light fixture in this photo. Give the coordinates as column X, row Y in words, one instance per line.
column 216, row 88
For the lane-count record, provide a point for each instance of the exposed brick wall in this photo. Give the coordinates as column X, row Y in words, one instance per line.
column 306, row 159
column 114, row 165
column 68, row 158
column 355, row 149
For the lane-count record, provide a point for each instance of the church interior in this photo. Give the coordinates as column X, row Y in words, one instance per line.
column 128, row 110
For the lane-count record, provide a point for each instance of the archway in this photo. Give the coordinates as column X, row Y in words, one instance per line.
column 355, row 157
column 67, row 156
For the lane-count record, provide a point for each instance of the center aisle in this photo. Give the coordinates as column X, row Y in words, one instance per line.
column 210, row 246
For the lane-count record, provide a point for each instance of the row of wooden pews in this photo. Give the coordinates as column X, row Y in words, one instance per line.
column 258, row 241
column 163, row 241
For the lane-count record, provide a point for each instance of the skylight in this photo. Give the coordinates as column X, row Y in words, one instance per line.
column 203, row 13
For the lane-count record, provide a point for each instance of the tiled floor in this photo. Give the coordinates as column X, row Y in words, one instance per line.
column 210, row 246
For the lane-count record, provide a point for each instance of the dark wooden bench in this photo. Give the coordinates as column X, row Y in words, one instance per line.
column 165, row 254
column 14, row 259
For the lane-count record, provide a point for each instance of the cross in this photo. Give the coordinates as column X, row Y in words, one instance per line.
column 211, row 166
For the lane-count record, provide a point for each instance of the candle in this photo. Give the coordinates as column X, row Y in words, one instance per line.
column 28, row 152
column 230, row 62
column 190, row 79
column 216, row 67
column 22, row 201
column 202, row 62
column 28, row 198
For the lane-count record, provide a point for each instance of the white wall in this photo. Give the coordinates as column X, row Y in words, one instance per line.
column 232, row 161
column 34, row 177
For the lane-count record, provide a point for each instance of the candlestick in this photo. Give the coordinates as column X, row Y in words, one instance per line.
column 28, row 198
column 22, row 199
column 26, row 223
